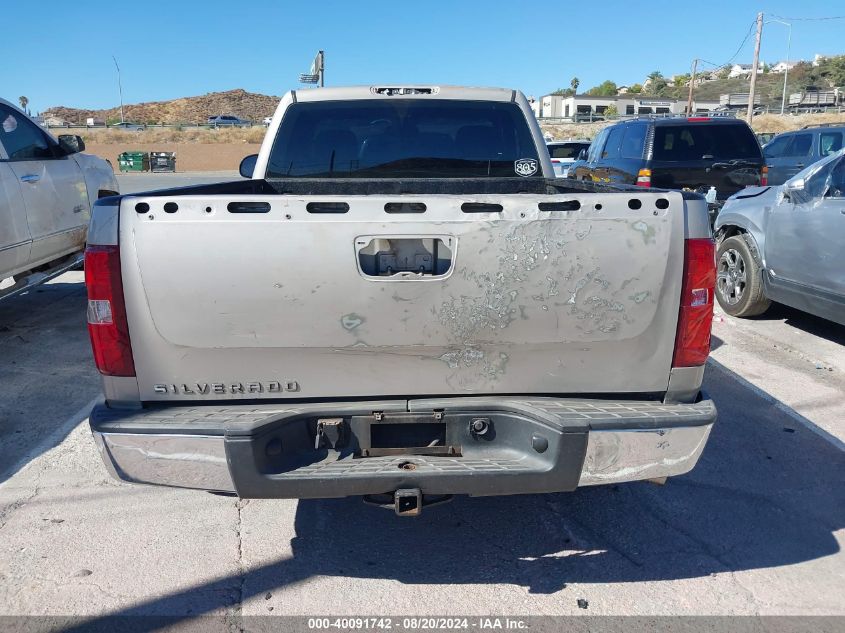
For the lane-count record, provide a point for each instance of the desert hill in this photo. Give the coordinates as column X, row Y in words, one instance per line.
column 247, row 105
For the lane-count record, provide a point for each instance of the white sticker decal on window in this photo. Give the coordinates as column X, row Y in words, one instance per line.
column 10, row 124
column 525, row 166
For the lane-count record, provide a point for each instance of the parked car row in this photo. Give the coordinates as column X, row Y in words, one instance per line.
column 786, row 243
column 778, row 212
column 222, row 120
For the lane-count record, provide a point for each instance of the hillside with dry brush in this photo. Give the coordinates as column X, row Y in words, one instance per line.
column 246, row 105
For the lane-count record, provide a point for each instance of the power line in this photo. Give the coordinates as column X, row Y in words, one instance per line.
column 738, row 50
column 831, row 17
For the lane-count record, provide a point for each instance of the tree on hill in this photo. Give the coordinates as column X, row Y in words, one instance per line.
column 606, row 88
column 564, row 92
column 656, row 84
column 831, row 70
column 635, row 89
column 682, row 80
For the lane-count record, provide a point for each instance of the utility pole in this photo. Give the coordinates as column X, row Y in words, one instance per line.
column 750, row 116
column 691, row 84
column 119, row 87
column 785, row 70
column 322, row 69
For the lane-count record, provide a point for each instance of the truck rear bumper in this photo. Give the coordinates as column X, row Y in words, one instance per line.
column 526, row 445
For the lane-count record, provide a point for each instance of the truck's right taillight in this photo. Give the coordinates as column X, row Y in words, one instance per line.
column 692, row 342
column 764, row 177
column 107, row 323
column 644, row 178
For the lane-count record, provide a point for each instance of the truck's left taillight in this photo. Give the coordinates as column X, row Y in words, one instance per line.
column 695, row 318
column 107, row 323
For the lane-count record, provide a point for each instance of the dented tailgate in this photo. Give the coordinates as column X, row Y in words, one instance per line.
column 283, row 296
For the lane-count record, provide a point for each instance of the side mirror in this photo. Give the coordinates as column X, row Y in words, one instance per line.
column 582, row 155
column 791, row 187
column 71, row 143
column 248, row 165
column 796, row 184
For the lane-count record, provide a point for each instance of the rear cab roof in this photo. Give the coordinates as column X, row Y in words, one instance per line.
column 393, row 91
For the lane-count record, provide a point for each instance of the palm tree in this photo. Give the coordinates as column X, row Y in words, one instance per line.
column 574, row 84
column 24, row 102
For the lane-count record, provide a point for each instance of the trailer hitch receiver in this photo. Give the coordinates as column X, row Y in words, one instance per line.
column 408, row 502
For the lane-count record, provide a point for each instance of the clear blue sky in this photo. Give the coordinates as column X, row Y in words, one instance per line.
column 61, row 54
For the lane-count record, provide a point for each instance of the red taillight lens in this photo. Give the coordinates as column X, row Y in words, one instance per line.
column 692, row 343
column 107, row 312
column 764, row 177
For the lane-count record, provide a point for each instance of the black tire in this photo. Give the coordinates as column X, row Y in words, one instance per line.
column 739, row 282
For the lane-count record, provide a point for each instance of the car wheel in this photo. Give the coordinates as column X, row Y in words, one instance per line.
column 739, row 284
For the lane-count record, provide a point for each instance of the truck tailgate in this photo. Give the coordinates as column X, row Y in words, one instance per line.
column 285, row 296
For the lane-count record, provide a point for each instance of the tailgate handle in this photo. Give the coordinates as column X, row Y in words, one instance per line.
column 404, row 258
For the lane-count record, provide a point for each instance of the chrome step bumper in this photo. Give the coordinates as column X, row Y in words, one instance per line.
column 540, row 445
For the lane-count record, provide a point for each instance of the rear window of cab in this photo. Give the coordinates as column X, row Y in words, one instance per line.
column 566, row 150
column 700, row 141
column 413, row 138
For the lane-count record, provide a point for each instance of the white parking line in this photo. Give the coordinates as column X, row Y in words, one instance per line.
column 51, row 440
column 792, row 413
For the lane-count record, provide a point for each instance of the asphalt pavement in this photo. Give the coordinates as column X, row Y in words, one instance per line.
column 757, row 528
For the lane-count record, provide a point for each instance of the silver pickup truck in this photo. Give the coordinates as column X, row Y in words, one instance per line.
column 401, row 302
column 47, row 188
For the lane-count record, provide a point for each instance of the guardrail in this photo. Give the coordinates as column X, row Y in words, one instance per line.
column 734, row 112
column 809, row 109
column 599, row 118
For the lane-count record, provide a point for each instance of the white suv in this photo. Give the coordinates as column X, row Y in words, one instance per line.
column 564, row 153
column 47, row 189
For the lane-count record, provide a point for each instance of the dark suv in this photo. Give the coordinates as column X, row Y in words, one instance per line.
column 790, row 152
column 677, row 153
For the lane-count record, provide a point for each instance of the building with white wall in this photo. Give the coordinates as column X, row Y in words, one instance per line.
column 782, row 67
column 585, row 106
